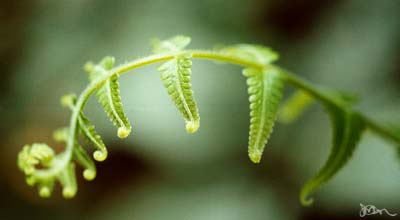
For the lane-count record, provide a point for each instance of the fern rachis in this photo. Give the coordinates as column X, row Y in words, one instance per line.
column 43, row 167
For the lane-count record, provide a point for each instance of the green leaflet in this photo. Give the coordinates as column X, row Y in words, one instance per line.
column 347, row 128
column 175, row 75
column 45, row 188
column 109, row 95
column 84, row 160
column 89, row 133
column 251, row 53
column 295, row 106
column 67, row 179
column 265, row 89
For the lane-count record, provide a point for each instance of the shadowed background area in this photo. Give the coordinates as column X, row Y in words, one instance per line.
column 160, row 171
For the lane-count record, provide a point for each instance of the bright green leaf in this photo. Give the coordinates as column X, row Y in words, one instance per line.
column 109, row 96
column 265, row 92
column 175, row 75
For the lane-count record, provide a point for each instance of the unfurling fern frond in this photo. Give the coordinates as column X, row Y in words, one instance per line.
column 109, row 95
column 295, row 106
column 32, row 156
column 42, row 167
column 175, row 75
column 41, row 155
column 265, row 90
column 33, row 159
column 347, row 129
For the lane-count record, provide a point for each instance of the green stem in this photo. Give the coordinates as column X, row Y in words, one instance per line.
column 291, row 78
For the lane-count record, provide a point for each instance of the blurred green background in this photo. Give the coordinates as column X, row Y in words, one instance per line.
column 160, row 172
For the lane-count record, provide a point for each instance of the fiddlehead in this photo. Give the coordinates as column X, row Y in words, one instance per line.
column 265, row 87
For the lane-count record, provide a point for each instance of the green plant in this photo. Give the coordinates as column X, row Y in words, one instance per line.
column 265, row 87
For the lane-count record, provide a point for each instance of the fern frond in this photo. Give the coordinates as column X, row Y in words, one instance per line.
column 265, row 89
column 175, row 75
column 251, row 53
column 42, row 167
column 347, row 128
column 293, row 107
column 109, row 96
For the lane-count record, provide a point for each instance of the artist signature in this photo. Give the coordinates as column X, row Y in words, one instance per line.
column 372, row 210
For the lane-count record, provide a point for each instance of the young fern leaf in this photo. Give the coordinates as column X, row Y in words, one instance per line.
column 265, row 88
column 175, row 75
column 108, row 95
column 347, row 129
column 294, row 107
column 89, row 133
column 43, row 167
